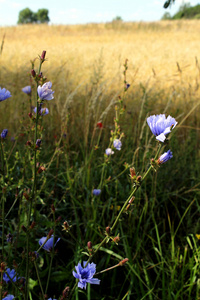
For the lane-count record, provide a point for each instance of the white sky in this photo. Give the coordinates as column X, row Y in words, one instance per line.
column 87, row 11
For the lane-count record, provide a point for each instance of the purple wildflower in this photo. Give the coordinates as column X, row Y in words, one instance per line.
column 9, row 238
column 109, row 151
column 85, row 275
column 12, row 274
column 4, row 94
column 38, row 142
column 4, row 133
column 160, row 125
column 96, row 192
column 42, row 111
column 27, row 90
column 117, row 144
column 9, row 297
column 165, row 157
column 48, row 246
column 45, row 92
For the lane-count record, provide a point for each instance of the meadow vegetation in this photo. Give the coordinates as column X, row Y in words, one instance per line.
column 159, row 232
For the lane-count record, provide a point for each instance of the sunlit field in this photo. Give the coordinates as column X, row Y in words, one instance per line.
column 93, row 180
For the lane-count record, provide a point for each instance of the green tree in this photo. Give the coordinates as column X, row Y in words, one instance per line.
column 166, row 16
column 42, row 15
column 27, row 16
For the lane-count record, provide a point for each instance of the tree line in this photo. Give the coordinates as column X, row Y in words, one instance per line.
column 27, row 16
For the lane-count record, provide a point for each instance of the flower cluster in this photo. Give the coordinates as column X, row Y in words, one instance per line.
column 160, row 127
column 85, row 274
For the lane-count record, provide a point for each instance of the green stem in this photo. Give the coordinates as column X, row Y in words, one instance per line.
column 32, row 196
column 52, row 255
column 36, row 268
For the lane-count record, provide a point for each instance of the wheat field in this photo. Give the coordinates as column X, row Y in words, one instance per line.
column 161, row 56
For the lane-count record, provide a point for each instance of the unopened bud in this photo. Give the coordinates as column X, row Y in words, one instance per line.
column 41, row 169
column 15, row 265
column 108, row 230
column 58, row 219
column 65, row 292
column 132, row 172
column 26, row 196
column 33, row 73
column 30, row 115
column 43, row 55
column 28, row 143
column 5, row 294
column 3, row 266
column 50, row 233
column 116, row 239
column 122, row 262
column 131, row 200
column 53, row 208
column 33, row 224
column 139, row 178
column 89, row 245
column 24, row 228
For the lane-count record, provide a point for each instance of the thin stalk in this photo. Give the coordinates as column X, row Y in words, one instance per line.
column 32, row 196
column 36, row 268
column 52, row 255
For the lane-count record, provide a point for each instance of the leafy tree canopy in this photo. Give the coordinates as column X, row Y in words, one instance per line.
column 186, row 11
column 26, row 16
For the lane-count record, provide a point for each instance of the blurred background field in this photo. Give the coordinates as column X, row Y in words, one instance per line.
column 85, row 66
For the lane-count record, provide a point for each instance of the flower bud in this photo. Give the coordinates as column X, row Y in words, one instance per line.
column 43, row 55
column 53, row 208
column 116, row 239
column 33, row 224
column 132, row 173
column 26, row 196
column 33, row 73
column 24, row 228
column 89, row 245
column 28, row 143
column 41, row 169
column 50, row 233
column 108, row 230
column 58, row 219
column 122, row 262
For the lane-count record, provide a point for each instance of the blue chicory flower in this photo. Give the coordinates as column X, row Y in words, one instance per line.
column 85, row 275
column 51, row 299
column 160, row 125
column 96, row 192
column 9, row 238
column 165, row 157
column 9, row 297
column 4, row 94
column 117, row 144
column 109, row 151
column 27, row 90
column 12, row 274
column 42, row 111
column 45, row 92
column 38, row 142
column 48, row 246
column 4, row 133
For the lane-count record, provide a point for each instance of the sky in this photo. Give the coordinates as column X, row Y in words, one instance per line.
column 89, row 11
